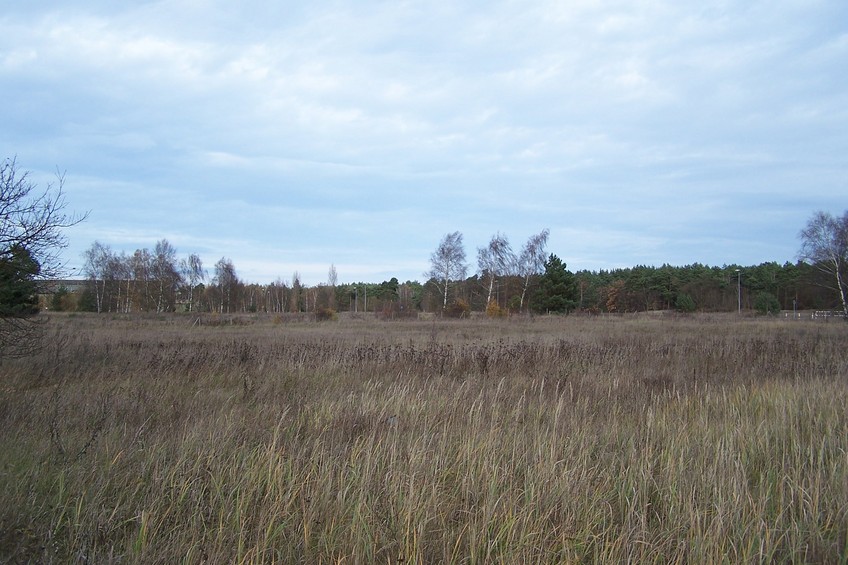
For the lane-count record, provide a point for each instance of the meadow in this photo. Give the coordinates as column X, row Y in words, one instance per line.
column 649, row 439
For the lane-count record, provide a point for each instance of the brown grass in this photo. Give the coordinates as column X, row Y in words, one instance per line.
column 686, row 440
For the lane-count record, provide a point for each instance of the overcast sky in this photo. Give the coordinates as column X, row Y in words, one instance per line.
column 287, row 136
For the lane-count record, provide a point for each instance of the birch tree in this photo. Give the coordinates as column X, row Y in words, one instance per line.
column 95, row 267
column 141, row 264
column 278, row 295
column 495, row 261
column 296, row 290
column 194, row 273
column 531, row 261
column 165, row 274
column 332, row 280
column 227, row 281
column 447, row 264
column 120, row 273
column 824, row 244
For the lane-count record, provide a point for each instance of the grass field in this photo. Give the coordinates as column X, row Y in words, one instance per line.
column 549, row 440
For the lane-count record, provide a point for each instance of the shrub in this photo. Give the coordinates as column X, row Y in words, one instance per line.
column 766, row 303
column 325, row 314
column 59, row 301
column 495, row 311
column 87, row 301
column 459, row 308
column 684, row 303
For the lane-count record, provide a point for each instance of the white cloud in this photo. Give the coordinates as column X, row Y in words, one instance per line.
column 283, row 126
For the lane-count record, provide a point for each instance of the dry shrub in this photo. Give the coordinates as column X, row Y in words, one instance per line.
column 459, row 308
column 493, row 310
column 325, row 314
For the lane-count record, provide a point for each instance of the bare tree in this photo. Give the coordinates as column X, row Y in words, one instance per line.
column 496, row 260
column 111, row 276
column 194, row 273
column 34, row 219
column 332, row 280
column 119, row 272
column 296, row 291
column 824, row 244
column 532, row 259
column 96, row 268
column 31, row 241
column 447, row 263
column 141, row 264
column 166, row 275
column 227, row 281
column 278, row 295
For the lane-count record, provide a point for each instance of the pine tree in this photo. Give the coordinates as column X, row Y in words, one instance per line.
column 18, row 285
column 557, row 288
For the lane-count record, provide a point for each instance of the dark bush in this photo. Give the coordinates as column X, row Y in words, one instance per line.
column 766, row 303
column 458, row 309
column 325, row 314
column 684, row 303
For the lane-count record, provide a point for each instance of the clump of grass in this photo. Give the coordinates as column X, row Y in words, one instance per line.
column 546, row 440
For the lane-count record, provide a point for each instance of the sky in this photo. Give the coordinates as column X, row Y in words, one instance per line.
column 289, row 136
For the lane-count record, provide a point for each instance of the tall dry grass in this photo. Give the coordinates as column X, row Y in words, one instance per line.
column 149, row 440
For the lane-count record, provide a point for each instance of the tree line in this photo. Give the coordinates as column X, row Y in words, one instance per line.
column 158, row 280
column 502, row 281
column 506, row 281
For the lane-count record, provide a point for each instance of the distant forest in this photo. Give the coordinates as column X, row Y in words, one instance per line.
column 158, row 281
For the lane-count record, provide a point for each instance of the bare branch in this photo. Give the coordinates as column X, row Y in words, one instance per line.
column 31, row 232
column 824, row 244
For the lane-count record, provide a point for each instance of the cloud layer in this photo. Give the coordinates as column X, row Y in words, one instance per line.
column 289, row 138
